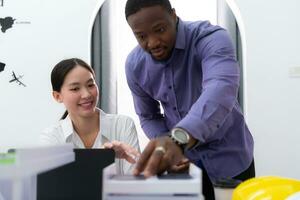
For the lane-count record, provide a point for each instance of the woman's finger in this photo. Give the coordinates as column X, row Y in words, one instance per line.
column 129, row 158
column 108, row 145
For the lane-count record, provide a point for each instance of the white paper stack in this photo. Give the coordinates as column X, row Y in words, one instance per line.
column 19, row 169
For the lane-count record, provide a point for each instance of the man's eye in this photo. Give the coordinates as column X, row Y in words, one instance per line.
column 161, row 30
column 141, row 37
column 91, row 85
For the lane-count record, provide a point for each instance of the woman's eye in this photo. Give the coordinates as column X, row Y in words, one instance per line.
column 91, row 85
column 74, row 89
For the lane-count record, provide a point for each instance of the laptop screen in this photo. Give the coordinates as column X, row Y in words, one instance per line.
column 81, row 179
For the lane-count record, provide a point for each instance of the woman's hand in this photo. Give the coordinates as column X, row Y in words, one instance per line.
column 123, row 151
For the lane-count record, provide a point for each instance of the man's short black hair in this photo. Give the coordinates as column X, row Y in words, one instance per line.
column 133, row 6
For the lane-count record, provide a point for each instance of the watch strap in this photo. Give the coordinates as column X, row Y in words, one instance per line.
column 181, row 146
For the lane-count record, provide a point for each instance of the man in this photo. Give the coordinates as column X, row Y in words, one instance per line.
column 190, row 70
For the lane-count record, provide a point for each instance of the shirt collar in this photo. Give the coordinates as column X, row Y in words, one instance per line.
column 180, row 36
column 67, row 126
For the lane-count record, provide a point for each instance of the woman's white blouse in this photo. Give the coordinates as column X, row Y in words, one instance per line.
column 112, row 127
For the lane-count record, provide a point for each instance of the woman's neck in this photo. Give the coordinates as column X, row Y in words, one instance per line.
column 87, row 128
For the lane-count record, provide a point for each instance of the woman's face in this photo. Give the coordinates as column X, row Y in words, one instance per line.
column 79, row 92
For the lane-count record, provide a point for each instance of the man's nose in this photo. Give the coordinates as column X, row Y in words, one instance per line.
column 153, row 42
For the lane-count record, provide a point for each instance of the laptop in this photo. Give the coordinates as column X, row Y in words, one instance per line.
column 81, row 179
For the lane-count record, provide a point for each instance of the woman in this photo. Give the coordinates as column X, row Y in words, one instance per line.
column 85, row 125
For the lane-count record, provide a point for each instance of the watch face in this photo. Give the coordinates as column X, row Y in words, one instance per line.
column 181, row 136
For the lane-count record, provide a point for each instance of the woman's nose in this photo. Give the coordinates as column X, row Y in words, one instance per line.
column 85, row 93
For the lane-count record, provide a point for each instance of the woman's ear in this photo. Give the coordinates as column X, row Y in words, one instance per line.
column 57, row 96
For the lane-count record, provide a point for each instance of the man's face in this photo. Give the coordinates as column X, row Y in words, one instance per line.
column 155, row 30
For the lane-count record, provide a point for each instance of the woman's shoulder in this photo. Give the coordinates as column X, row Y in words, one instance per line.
column 52, row 130
column 117, row 126
column 117, row 118
column 53, row 134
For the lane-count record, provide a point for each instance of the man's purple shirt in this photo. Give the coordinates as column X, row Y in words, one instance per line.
column 197, row 88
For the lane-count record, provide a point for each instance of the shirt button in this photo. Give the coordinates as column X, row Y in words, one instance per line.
column 174, row 108
column 170, row 87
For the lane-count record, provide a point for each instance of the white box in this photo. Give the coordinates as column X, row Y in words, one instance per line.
column 130, row 188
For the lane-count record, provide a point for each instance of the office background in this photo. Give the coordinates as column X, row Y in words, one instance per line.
column 44, row 32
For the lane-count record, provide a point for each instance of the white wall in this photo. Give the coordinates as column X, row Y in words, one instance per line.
column 53, row 30
column 272, row 30
column 45, row 33
column 124, row 42
column 59, row 29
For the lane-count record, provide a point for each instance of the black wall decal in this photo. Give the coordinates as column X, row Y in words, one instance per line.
column 17, row 79
column 2, row 66
column 6, row 23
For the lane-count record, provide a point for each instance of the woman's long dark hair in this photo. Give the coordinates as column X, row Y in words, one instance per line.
column 60, row 72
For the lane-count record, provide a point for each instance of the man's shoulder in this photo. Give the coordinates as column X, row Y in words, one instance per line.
column 137, row 51
column 201, row 28
column 135, row 57
column 201, row 25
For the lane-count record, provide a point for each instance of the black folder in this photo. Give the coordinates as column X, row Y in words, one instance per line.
column 81, row 179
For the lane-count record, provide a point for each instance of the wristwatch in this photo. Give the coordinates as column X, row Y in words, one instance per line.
column 180, row 137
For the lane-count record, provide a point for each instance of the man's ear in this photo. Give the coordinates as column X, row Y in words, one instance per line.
column 56, row 95
column 173, row 13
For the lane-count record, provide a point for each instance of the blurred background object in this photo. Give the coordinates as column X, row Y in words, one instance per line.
column 266, row 188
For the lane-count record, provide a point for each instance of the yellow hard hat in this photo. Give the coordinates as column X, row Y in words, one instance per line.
column 266, row 188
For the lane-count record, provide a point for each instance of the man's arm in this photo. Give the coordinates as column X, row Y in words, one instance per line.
column 147, row 108
column 219, row 88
